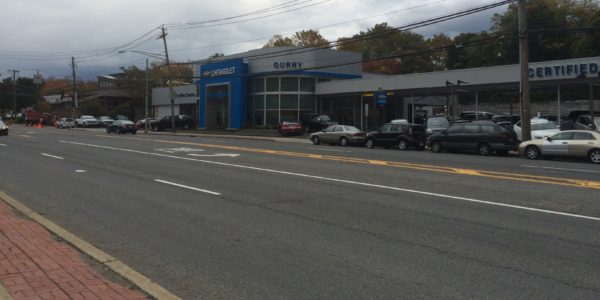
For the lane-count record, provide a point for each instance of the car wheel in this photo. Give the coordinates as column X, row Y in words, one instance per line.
column 316, row 140
column 119, row 131
column 436, row 147
column 594, row 156
column 343, row 142
column 107, row 130
column 484, row 149
column 370, row 143
column 532, row 152
column 402, row 144
column 155, row 128
column 133, row 132
column 186, row 126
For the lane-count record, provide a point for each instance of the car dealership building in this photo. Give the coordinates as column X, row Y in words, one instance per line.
column 263, row 87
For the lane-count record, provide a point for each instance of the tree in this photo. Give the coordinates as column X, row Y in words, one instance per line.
column 217, row 54
column 548, row 23
column 390, row 51
column 304, row 38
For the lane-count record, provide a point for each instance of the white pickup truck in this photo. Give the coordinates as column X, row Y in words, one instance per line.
column 87, row 121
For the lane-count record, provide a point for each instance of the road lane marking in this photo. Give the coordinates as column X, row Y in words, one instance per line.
column 330, row 150
column 564, row 169
column 215, row 155
column 321, row 178
column 105, row 259
column 25, row 136
column 53, row 156
column 187, row 187
column 3, row 145
column 177, row 150
column 422, row 167
column 80, row 171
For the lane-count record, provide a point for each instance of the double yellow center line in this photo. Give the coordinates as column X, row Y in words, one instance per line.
column 422, row 167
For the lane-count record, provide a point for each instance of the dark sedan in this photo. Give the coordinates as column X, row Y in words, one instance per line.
column 122, row 127
column 401, row 135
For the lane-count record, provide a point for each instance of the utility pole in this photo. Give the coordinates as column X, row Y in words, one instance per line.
column 146, row 105
column 171, row 96
column 14, row 91
column 75, row 100
column 524, row 59
column 591, row 94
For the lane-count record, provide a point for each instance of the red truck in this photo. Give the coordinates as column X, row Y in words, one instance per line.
column 33, row 117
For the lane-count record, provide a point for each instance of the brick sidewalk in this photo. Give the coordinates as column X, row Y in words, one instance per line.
column 35, row 266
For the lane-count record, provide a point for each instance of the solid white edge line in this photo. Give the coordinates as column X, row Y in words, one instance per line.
column 564, row 169
column 3, row 145
column 349, row 182
column 53, row 156
column 187, row 187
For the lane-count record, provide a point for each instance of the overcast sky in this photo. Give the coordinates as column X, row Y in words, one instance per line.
column 44, row 34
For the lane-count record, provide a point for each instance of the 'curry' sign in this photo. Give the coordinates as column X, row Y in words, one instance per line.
column 286, row 65
column 562, row 71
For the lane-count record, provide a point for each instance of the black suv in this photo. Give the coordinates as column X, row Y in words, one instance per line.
column 181, row 121
column 318, row 123
column 401, row 135
column 484, row 138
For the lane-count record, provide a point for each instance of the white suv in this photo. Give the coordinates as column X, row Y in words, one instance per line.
column 87, row 121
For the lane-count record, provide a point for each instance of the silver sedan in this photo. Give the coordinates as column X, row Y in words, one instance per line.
column 574, row 143
column 342, row 135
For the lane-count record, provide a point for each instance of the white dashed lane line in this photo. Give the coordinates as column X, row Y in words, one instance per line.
column 187, row 187
column 53, row 156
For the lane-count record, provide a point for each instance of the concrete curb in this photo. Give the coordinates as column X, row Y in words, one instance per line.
column 142, row 282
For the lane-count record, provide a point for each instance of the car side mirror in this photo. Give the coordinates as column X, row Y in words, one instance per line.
column 549, row 139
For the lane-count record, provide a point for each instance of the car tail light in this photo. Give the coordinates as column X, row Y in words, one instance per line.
column 359, row 134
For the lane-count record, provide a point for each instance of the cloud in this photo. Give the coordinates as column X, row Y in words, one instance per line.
column 45, row 34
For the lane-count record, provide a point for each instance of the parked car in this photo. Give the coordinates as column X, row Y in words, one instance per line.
column 287, row 128
column 105, row 121
column 318, row 123
column 122, row 127
column 569, row 122
column 342, row 135
column 141, row 123
column 87, row 121
column 484, row 138
column 65, row 123
column 540, row 128
column 480, row 115
column 506, row 118
column 572, row 143
column 399, row 121
column 584, row 122
column 181, row 121
column 401, row 135
column 3, row 128
column 436, row 125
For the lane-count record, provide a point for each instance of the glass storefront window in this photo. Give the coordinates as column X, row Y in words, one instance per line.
column 307, row 85
column 259, row 85
column 324, row 79
column 259, row 117
column 289, row 101
column 289, row 116
column 272, row 118
column 273, row 84
column 259, row 102
column 289, row 84
column 272, row 101
column 307, row 102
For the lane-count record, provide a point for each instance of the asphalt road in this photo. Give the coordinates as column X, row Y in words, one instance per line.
column 228, row 218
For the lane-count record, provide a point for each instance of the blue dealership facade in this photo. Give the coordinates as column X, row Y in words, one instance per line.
column 263, row 87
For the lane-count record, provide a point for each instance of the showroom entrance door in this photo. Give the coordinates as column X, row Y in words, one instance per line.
column 218, row 101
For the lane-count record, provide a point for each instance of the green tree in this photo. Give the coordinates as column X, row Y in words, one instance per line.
column 304, row 38
column 390, row 51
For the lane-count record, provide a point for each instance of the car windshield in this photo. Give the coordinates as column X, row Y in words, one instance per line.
column 324, row 118
column 437, row 122
column 543, row 126
column 126, row 122
column 68, row 120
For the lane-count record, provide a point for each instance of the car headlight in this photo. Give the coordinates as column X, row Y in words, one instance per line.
column 429, row 131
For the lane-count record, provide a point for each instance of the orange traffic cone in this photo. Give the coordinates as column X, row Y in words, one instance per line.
column 39, row 125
